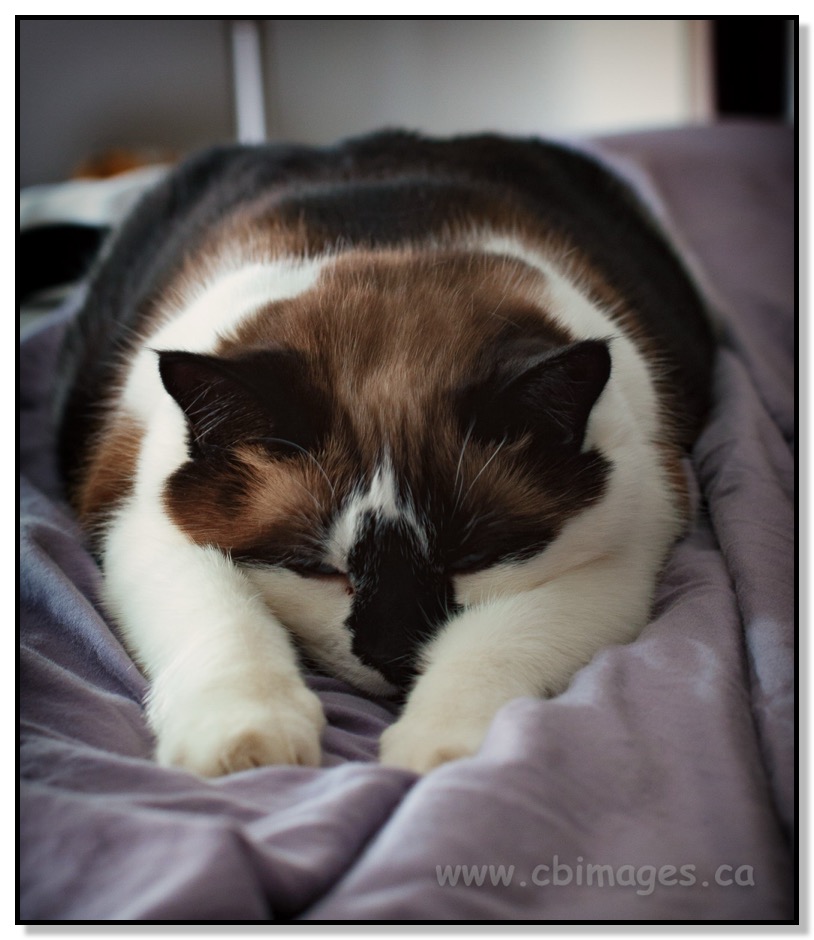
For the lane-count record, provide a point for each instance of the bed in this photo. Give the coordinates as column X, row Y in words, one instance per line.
column 659, row 786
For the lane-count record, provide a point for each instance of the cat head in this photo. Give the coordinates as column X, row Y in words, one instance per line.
column 382, row 449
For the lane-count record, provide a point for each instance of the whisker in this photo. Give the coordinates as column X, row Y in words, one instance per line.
column 477, row 476
column 316, row 501
column 281, row 440
column 458, row 481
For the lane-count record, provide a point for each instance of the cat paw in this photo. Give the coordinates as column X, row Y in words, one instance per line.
column 224, row 734
column 419, row 745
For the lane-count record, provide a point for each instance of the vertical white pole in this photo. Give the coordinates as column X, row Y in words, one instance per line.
column 700, row 64
column 247, row 73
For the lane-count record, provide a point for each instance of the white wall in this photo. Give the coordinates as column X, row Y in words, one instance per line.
column 330, row 78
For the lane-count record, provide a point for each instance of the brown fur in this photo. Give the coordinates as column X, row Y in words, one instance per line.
column 111, row 471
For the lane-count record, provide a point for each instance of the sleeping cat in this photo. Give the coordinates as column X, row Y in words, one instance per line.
column 411, row 409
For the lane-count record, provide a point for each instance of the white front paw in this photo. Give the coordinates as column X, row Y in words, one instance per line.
column 419, row 743
column 224, row 731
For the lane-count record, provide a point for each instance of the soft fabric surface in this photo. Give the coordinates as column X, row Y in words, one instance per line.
column 676, row 750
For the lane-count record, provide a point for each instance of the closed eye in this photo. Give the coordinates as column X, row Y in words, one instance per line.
column 317, row 569
column 472, row 562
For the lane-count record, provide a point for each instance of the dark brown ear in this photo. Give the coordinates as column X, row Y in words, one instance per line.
column 549, row 395
column 262, row 398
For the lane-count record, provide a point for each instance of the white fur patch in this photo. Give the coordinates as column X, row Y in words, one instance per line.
column 226, row 693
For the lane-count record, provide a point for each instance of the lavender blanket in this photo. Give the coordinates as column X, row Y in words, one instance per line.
column 660, row 785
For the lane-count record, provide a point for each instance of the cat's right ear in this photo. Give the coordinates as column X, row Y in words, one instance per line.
column 262, row 398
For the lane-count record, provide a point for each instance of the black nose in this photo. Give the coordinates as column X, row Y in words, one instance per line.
column 401, row 599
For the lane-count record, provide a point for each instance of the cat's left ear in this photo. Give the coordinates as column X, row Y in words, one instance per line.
column 549, row 395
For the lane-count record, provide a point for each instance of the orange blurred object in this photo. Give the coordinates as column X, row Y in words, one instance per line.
column 117, row 160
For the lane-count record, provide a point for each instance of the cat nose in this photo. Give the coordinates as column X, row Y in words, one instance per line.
column 399, row 604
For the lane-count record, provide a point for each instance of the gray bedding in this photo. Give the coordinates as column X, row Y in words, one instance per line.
column 660, row 785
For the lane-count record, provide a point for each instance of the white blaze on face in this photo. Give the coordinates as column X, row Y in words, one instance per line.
column 381, row 501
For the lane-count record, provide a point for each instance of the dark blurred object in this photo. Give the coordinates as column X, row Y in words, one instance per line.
column 53, row 255
column 752, row 59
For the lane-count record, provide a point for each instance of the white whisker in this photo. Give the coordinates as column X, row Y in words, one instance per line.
column 477, row 476
column 280, row 440
column 458, row 482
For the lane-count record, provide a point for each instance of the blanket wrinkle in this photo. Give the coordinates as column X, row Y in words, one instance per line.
column 750, row 493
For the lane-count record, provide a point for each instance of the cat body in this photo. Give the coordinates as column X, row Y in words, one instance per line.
column 412, row 409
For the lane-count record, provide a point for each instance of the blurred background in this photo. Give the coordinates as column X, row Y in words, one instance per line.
column 97, row 94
